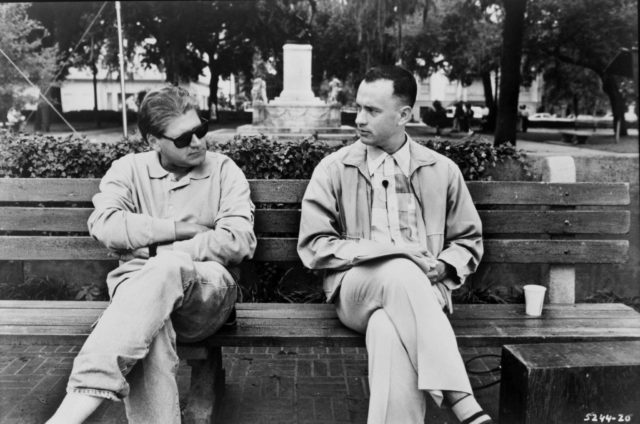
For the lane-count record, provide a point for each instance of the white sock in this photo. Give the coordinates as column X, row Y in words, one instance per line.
column 468, row 411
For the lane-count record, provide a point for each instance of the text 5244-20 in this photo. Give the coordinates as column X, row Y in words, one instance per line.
column 592, row 417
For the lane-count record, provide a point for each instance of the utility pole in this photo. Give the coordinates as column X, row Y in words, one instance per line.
column 121, row 60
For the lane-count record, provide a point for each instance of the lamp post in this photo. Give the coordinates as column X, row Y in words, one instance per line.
column 121, row 60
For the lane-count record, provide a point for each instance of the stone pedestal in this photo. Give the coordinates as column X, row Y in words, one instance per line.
column 296, row 78
column 296, row 110
column 296, row 115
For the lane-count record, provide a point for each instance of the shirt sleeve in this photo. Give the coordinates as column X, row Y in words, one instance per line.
column 116, row 222
column 232, row 239
column 463, row 246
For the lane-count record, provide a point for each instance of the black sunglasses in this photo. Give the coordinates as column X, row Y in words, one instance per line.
column 183, row 140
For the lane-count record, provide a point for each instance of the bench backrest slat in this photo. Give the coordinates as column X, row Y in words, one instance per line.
column 284, row 249
column 291, row 191
column 286, row 221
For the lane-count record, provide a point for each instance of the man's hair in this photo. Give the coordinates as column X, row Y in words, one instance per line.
column 404, row 84
column 160, row 106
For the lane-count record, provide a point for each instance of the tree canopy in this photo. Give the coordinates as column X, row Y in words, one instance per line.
column 585, row 34
column 21, row 41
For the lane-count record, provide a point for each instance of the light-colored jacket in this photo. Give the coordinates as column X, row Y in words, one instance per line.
column 335, row 226
column 139, row 203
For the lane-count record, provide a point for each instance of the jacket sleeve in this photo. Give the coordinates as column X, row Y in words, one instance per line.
column 463, row 247
column 232, row 239
column 115, row 221
column 320, row 245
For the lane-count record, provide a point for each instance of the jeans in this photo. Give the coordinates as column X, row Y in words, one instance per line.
column 131, row 353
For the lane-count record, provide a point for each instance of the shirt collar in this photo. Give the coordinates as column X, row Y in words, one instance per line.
column 201, row 171
column 375, row 157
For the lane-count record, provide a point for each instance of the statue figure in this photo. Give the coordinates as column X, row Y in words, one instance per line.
column 335, row 87
column 259, row 90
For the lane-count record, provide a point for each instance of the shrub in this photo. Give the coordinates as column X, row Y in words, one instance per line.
column 263, row 157
column 37, row 155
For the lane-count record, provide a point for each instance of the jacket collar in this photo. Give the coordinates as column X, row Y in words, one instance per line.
column 357, row 156
column 202, row 171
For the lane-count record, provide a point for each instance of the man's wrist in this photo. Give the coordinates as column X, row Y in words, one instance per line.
column 444, row 270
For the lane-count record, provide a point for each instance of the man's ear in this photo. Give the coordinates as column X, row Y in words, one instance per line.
column 405, row 115
column 152, row 140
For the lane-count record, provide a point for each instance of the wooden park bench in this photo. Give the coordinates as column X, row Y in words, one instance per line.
column 575, row 137
column 560, row 224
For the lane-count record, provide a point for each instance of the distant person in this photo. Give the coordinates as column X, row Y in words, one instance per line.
column 468, row 113
column 15, row 119
column 523, row 118
column 459, row 118
column 393, row 226
column 180, row 220
column 440, row 118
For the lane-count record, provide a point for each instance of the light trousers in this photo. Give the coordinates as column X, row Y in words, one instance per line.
column 410, row 343
column 131, row 354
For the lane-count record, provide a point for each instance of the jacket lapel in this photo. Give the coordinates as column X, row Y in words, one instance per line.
column 356, row 192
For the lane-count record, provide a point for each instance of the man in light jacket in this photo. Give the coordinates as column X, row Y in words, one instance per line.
column 180, row 219
column 394, row 227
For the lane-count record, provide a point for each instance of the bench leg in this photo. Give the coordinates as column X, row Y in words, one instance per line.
column 207, row 388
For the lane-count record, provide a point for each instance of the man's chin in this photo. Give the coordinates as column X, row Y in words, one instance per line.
column 196, row 159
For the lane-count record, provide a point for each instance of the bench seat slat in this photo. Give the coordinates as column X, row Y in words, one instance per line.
column 280, row 221
column 337, row 335
column 312, row 310
column 283, row 325
column 291, row 191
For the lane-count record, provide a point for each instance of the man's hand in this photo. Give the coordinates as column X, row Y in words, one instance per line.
column 187, row 230
column 439, row 272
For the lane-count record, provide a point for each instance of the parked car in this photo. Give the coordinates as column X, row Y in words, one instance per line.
column 479, row 112
column 542, row 116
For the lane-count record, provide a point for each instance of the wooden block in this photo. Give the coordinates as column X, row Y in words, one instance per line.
column 570, row 383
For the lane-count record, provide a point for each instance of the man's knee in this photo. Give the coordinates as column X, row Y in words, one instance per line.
column 171, row 263
column 379, row 325
column 399, row 272
column 168, row 270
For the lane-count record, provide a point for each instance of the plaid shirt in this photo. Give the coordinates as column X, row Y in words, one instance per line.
column 393, row 210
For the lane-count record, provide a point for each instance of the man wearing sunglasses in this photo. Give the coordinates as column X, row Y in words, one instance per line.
column 180, row 219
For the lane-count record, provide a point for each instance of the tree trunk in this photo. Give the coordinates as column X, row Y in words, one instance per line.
column 96, row 114
column 489, row 101
column 510, row 72
column 213, row 89
column 610, row 87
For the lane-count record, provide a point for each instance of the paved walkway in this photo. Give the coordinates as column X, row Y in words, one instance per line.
column 264, row 385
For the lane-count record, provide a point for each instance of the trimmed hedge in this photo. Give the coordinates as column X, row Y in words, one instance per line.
column 262, row 157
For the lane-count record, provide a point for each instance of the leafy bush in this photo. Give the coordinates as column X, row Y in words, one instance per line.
column 265, row 158
column 47, row 288
column 609, row 296
column 36, row 155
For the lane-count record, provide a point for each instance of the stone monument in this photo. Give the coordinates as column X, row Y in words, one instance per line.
column 297, row 111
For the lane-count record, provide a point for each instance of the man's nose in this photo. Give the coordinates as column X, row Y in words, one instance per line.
column 197, row 142
column 360, row 118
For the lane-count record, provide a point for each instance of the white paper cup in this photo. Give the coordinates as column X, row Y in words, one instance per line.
column 534, row 299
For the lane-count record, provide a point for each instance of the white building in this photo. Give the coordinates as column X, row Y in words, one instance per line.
column 77, row 90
